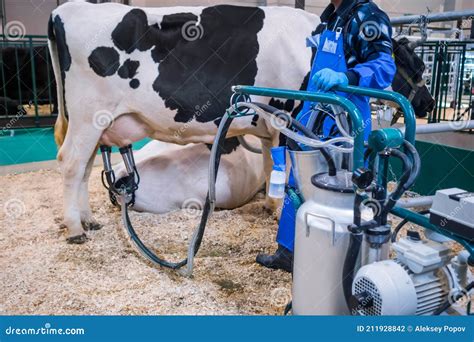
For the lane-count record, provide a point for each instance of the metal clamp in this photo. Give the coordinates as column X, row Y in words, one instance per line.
column 333, row 224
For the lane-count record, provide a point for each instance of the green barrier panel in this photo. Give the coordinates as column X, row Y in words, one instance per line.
column 442, row 167
column 33, row 145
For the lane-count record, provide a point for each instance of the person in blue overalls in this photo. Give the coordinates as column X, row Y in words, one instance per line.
column 352, row 46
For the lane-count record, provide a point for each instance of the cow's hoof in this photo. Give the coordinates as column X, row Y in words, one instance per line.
column 91, row 225
column 77, row 240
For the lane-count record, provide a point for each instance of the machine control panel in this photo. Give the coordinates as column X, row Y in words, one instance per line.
column 453, row 210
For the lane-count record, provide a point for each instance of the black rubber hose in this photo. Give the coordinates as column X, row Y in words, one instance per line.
column 447, row 304
column 288, row 308
column 402, row 184
column 202, row 225
column 399, row 227
column 306, row 131
column 355, row 243
column 207, row 206
column 416, row 162
column 332, row 170
column 353, row 251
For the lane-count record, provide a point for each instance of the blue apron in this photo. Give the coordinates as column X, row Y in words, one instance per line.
column 330, row 54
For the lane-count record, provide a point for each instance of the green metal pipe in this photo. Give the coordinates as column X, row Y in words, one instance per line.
column 33, row 80
column 423, row 221
column 352, row 110
column 402, row 101
column 459, row 85
column 18, row 79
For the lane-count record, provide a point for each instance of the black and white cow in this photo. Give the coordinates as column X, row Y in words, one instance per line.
column 174, row 176
column 125, row 73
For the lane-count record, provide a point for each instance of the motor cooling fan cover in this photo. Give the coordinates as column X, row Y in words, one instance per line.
column 389, row 288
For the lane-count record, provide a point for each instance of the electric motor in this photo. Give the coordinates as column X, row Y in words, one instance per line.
column 417, row 282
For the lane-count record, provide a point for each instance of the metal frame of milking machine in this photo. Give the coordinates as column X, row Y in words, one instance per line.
column 383, row 143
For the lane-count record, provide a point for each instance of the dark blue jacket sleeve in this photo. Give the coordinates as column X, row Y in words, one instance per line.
column 369, row 35
column 376, row 73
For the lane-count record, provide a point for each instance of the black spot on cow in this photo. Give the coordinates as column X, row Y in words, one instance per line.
column 104, row 61
column 134, row 84
column 58, row 34
column 128, row 69
column 171, row 34
column 255, row 120
column 288, row 105
column 198, row 70
column 229, row 145
column 204, row 69
column 133, row 32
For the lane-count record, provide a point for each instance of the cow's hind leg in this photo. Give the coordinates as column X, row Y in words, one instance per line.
column 75, row 162
column 88, row 222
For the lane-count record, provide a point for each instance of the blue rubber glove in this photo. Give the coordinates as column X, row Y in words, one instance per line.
column 326, row 78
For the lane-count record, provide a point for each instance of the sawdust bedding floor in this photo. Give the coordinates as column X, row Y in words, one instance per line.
column 41, row 274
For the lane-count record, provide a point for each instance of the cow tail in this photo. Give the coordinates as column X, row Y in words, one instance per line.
column 60, row 127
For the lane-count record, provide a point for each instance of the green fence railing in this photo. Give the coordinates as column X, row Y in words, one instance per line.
column 27, row 85
column 450, row 78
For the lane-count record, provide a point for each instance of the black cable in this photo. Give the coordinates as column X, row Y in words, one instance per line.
column 416, row 162
column 288, row 308
column 355, row 243
column 402, row 184
column 353, row 250
column 202, row 225
column 402, row 223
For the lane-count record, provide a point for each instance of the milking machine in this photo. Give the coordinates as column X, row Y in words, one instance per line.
column 342, row 261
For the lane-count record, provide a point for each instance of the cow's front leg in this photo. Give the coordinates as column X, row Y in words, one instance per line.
column 74, row 158
column 271, row 204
